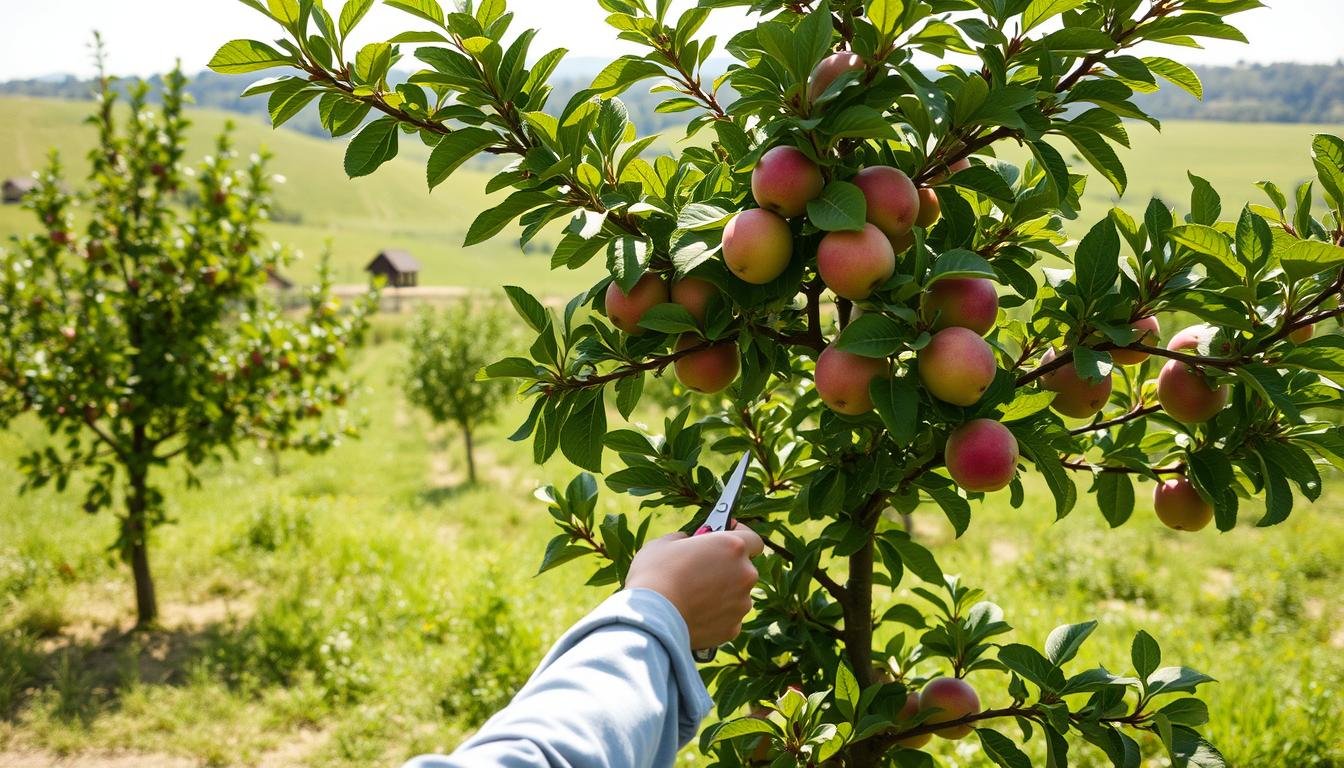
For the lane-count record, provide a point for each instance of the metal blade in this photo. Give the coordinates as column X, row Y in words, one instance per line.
column 718, row 519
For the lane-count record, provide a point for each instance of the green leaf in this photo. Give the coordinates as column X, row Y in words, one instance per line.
column 841, row 207
column 897, row 403
column 581, row 434
column 351, row 14
column 1032, row 666
column 1026, row 403
column 872, row 335
column 1211, row 472
column 1115, row 496
column 531, row 310
column 239, row 56
column 1177, row 74
column 492, row 221
column 847, row 691
column 1052, row 469
column 1101, row 156
column 1002, row 750
column 1305, row 258
column 374, row 145
column 746, row 726
column 1189, row 749
column 668, row 318
column 859, row 122
column 1208, row 241
column 1205, row 204
column 916, row 558
column 622, row 73
column 455, row 149
column 626, row 259
column 886, row 17
column 985, row 180
column 1096, row 263
column 425, row 9
column 1063, row 643
column 702, row 216
column 558, row 552
column 1175, row 680
column 1040, row 10
column 960, row 262
column 1187, row 711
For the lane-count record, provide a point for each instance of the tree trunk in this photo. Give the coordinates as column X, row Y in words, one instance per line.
column 471, row 460
column 136, row 530
column 858, row 632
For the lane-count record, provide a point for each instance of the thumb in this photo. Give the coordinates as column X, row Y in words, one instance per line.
column 673, row 536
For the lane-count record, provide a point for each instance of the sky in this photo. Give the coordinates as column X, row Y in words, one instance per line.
column 146, row 36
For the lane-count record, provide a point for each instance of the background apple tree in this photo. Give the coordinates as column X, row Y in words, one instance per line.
column 142, row 335
column 887, row 315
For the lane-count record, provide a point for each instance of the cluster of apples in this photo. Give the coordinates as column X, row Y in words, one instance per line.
column 950, row 698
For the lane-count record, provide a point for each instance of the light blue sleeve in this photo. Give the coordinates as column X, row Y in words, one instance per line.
column 618, row 690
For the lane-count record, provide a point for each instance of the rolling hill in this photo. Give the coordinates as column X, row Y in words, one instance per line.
column 392, row 209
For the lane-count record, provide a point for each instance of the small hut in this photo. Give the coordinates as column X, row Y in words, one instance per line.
column 14, row 189
column 277, row 281
column 401, row 269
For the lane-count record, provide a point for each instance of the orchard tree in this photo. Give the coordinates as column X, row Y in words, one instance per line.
column 446, row 352
column 844, row 267
column 142, row 335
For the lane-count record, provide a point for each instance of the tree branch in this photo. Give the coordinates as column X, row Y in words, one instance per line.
column 1084, row 466
column 1136, row 413
column 819, row 575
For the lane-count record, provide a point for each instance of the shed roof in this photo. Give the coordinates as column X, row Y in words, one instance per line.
column 402, row 261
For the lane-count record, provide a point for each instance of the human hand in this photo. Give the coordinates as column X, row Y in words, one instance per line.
column 708, row 578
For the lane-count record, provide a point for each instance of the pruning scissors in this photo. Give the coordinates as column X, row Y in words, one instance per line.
column 718, row 520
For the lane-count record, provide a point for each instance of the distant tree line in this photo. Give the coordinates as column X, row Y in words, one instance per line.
column 1255, row 93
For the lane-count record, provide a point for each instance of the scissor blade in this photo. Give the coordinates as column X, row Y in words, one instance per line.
column 718, row 519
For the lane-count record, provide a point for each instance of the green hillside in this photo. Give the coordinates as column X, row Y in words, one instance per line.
column 392, row 209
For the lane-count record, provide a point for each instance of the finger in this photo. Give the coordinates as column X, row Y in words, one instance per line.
column 750, row 538
column 673, row 536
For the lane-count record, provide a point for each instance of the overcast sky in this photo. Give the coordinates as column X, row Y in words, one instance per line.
column 146, row 36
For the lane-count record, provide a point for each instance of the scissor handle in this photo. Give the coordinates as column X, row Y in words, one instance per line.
column 705, row 655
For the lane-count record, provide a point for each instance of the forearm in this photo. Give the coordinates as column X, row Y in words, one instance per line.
column 619, row 690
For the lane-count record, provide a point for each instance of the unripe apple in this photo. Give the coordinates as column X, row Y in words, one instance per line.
column 1075, row 396
column 957, row 366
column 1179, row 505
column 966, row 302
column 1299, row 335
column 908, row 711
column 829, row 69
column 69, row 333
column 711, row 369
column 757, row 245
column 694, row 295
column 853, row 264
column 1185, row 394
column 954, row 699
column 842, row 380
column 929, row 207
column 1190, row 339
column 1151, row 334
column 625, row 310
column 893, row 201
column 784, row 180
column 981, row 455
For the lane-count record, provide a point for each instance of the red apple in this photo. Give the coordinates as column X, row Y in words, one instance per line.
column 981, row 455
column 784, row 180
column 625, row 310
column 842, row 380
column 893, row 200
column 854, row 264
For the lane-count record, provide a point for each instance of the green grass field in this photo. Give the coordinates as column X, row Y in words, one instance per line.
column 365, row 605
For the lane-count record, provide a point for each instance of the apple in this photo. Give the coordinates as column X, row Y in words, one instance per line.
column 893, row 201
column 829, row 70
column 784, row 180
column 908, row 711
column 1075, row 396
column 1151, row 332
column 1299, row 335
column 953, row 698
column 709, row 370
column 957, row 366
column 757, row 245
column 956, row 167
column 981, row 455
column 929, row 207
column 1185, row 394
column 625, row 310
column 1179, row 506
column 694, row 295
column 59, row 236
column 853, row 264
column 842, row 380
column 966, row 302
column 1190, row 339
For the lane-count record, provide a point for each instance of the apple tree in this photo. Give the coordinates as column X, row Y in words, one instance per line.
column 141, row 335
column 888, row 315
column 444, row 353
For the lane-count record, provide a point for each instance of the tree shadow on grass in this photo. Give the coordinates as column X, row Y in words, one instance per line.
column 439, row 496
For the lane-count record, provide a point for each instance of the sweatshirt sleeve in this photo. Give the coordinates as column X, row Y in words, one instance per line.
column 619, row 690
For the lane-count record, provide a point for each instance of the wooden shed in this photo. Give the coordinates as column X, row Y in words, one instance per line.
column 401, row 269
column 14, row 189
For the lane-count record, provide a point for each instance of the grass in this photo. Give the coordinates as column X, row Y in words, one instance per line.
column 366, row 606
